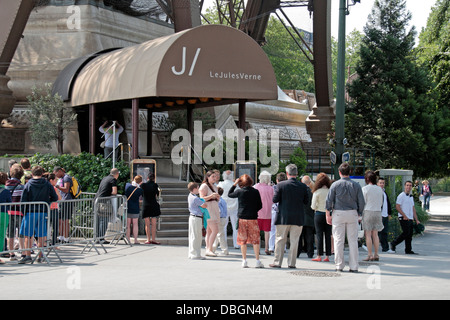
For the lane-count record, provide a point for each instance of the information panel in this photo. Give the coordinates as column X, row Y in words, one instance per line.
column 246, row 167
column 142, row 167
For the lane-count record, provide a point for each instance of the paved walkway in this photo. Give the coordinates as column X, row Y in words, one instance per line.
column 164, row 272
column 440, row 207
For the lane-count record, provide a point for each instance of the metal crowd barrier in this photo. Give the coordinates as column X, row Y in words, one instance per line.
column 36, row 227
column 25, row 228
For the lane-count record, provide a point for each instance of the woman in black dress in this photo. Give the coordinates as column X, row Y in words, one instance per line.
column 151, row 209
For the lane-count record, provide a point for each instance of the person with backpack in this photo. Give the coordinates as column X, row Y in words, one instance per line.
column 64, row 186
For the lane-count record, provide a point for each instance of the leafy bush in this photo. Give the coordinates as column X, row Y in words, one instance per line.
column 87, row 168
column 298, row 157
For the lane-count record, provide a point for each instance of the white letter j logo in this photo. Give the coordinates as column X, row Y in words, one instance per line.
column 183, row 64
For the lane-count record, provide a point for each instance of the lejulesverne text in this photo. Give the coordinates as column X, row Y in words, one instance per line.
column 234, row 76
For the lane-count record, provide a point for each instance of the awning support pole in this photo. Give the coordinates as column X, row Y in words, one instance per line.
column 149, row 132
column 92, row 128
column 135, row 127
column 241, row 135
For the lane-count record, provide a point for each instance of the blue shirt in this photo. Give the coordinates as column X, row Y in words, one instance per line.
column 223, row 208
column 194, row 203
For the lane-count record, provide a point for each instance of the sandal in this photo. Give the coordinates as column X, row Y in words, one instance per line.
column 369, row 258
column 155, row 242
column 376, row 258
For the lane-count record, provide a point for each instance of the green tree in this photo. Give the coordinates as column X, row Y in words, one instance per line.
column 49, row 117
column 352, row 47
column 434, row 53
column 298, row 157
column 292, row 69
column 390, row 110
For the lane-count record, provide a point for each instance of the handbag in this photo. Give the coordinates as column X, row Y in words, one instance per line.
column 360, row 230
column 159, row 198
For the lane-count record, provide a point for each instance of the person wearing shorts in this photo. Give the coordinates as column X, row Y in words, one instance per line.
column 34, row 223
column 249, row 203
column 64, row 184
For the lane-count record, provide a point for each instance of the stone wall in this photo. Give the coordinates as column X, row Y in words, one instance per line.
column 51, row 40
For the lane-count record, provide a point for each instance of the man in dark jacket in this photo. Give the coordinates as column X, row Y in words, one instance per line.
column 38, row 189
column 291, row 195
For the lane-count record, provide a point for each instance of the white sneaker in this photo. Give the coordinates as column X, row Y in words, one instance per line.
column 244, row 264
column 259, row 264
column 390, row 251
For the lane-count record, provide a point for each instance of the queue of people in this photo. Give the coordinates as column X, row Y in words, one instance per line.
column 252, row 208
column 290, row 211
column 24, row 226
column 293, row 210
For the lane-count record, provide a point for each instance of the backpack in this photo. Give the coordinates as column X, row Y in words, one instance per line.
column 75, row 190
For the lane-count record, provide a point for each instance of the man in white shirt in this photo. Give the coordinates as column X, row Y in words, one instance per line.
column 111, row 137
column 406, row 215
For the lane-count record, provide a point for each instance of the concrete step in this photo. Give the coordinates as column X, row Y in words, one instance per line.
column 181, row 184
column 172, row 233
column 174, row 214
column 175, row 191
column 173, row 197
column 174, row 225
column 174, row 211
column 175, row 218
column 174, row 204
column 172, row 241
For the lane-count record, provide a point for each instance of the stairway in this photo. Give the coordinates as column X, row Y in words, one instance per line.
column 174, row 224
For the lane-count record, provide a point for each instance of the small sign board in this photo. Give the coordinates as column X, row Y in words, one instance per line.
column 345, row 157
column 246, row 167
column 333, row 157
column 142, row 167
